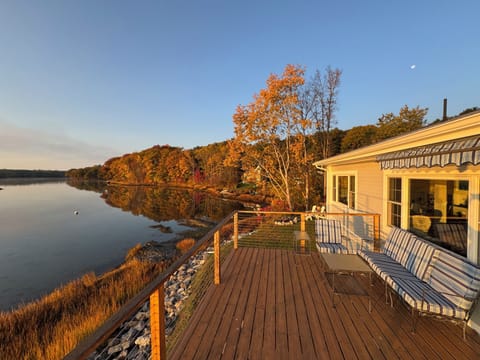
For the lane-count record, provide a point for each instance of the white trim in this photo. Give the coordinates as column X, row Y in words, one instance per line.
column 339, row 203
column 473, row 240
column 405, row 202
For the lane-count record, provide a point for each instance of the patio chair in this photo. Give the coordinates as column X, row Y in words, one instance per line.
column 329, row 237
column 315, row 213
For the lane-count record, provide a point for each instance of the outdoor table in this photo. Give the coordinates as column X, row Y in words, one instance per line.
column 347, row 264
column 301, row 242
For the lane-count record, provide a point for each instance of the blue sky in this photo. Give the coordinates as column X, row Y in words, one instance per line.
column 82, row 81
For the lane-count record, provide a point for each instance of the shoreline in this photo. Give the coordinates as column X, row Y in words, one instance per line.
column 151, row 251
column 243, row 197
column 53, row 323
column 133, row 337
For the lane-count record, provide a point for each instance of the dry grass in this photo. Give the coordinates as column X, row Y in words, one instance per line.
column 185, row 245
column 52, row 326
column 133, row 252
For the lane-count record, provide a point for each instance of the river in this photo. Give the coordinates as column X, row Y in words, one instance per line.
column 52, row 231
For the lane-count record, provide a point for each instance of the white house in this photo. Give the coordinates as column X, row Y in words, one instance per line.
column 426, row 181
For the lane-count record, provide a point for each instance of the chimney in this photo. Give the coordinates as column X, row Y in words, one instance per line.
column 444, row 109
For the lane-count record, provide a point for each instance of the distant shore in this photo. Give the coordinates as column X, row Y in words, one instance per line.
column 19, row 173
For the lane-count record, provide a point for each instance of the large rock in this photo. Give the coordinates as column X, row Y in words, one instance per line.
column 135, row 333
column 142, row 341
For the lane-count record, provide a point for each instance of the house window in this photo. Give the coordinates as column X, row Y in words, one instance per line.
column 351, row 193
column 344, row 190
column 394, row 203
column 439, row 212
column 334, row 188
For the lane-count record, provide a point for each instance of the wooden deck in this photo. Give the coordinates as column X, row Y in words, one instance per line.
column 273, row 304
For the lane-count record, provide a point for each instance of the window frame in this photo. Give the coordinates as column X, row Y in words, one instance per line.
column 350, row 189
column 396, row 202
column 472, row 216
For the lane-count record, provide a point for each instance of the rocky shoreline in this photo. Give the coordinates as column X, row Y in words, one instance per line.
column 132, row 340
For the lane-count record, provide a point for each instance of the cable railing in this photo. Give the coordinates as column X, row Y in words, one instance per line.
column 171, row 299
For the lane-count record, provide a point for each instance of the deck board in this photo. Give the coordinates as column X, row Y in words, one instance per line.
column 275, row 304
column 244, row 341
column 293, row 344
column 234, row 331
column 226, row 317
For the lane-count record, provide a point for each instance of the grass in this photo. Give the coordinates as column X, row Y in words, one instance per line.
column 270, row 235
column 52, row 326
column 184, row 245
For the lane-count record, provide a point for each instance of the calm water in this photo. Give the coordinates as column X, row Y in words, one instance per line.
column 43, row 243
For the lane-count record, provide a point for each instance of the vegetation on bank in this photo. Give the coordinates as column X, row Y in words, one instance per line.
column 9, row 173
column 52, row 326
column 287, row 126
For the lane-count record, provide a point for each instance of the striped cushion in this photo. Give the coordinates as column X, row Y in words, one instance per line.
column 385, row 266
column 398, row 244
column 413, row 291
column 456, row 278
column 328, row 231
column 419, row 257
column 409, row 287
column 428, row 278
column 410, row 251
column 332, row 248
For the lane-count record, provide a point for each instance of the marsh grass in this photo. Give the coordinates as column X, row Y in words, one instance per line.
column 52, row 326
column 184, row 245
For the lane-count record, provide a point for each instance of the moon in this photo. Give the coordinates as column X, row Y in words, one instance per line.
column 413, row 66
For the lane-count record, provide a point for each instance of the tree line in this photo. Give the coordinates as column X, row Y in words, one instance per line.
column 288, row 125
column 10, row 173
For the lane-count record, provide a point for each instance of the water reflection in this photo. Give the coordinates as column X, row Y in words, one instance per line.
column 30, row 181
column 43, row 243
column 161, row 203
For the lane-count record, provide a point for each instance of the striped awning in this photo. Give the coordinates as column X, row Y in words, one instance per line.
column 453, row 152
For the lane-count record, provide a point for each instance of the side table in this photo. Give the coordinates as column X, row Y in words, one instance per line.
column 301, row 242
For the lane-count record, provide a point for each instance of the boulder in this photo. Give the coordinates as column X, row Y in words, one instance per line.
column 142, row 341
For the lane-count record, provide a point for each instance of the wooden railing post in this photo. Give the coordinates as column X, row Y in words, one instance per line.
column 235, row 231
column 216, row 246
column 157, row 324
column 302, row 222
column 376, row 232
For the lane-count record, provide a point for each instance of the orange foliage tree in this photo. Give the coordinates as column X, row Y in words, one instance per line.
column 266, row 131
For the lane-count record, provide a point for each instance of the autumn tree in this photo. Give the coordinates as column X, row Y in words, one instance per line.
column 266, row 129
column 407, row 120
column 321, row 102
column 211, row 159
column 317, row 104
column 359, row 136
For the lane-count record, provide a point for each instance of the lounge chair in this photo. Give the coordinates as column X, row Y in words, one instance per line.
column 329, row 237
